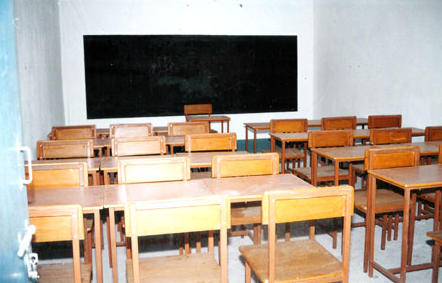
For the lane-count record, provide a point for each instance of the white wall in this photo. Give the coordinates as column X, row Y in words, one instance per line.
column 379, row 57
column 39, row 68
column 247, row 17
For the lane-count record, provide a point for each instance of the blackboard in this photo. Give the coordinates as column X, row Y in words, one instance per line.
column 155, row 75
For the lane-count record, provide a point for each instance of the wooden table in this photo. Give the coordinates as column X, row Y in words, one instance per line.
column 210, row 118
column 266, row 126
column 303, row 137
column 93, row 166
column 116, row 196
column 90, row 198
column 410, row 180
column 204, row 159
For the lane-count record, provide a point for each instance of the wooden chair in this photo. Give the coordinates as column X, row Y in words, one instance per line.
column 55, row 149
column 210, row 142
column 387, row 201
column 384, row 121
column 64, row 175
column 153, row 169
column 178, row 216
column 437, row 237
column 130, row 130
column 197, row 109
column 302, row 260
column 139, row 146
column 246, row 165
column 74, row 132
column 61, row 223
column 290, row 126
column 433, row 133
column 187, row 128
column 338, row 123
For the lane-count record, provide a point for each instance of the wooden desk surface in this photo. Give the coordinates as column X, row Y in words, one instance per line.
column 210, row 118
column 159, row 130
column 118, row 195
column 93, row 164
column 251, row 188
column 204, row 159
column 175, row 140
column 109, row 163
column 90, row 198
column 417, row 177
column 311, row 123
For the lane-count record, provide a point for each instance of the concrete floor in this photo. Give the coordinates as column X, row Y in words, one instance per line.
column 390, row 256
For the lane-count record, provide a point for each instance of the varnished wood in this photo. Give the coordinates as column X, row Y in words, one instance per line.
column 384, row 121
column 203, row 159
column 130, row 130
column 338, row 123
column 139, row 146
column 177, row 216
column 433, row 133
column 386, row 136
column 56, row 175
column 143, row 170
column 437, row 237
column 60, row 223
column 65, row 149
column 195, row 109
column 210, row 142
column 305, row 260
column 187, row 128
column 74, row 132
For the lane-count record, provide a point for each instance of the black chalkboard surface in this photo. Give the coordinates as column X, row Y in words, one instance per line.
column 155, row 75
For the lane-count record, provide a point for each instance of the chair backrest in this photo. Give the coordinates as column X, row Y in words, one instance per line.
column 130, row 130
column 178, row 216
column 433, row 133
column 387, row 136
column 288, row 125
column 196, row 109
column 80, row 132
column 59, row 175
column 302, row 205
column 187, row 128
column 210, row 142
column 60, row 223
column 338, row 123
column 384, row 121
column 236, row 165
column 391, row 157
column 54, row 149
column 330, row 138
column 139, row 146
column 153, row 169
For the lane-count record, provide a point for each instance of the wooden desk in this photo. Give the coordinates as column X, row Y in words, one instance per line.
column 210, row 118
column 90, row 198
column 174, row 142
column 410, row 180
column 103, row 133
column 159, row 131
column 93, row 166
column 101, row 144
column 116, row 196
column 204, row 159
column 251, row 188
column 266, row 126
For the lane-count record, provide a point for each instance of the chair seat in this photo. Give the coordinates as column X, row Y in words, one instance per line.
column 359, row 168
column 435, row 235
column 431, row 197
column 386, row 201
column 290, row 153
column 295, row 261
column 324, row 172
column 191, row 268
column 246, row 215
column 201, row 175
column 63, row 272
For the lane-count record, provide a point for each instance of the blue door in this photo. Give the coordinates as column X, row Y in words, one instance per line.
column 13, row 199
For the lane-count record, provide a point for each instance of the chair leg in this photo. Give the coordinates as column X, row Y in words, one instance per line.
column 384, row 231
column 390, row 226
column 287, row 232
column 248, row 273
column 436, row 261
column 335, row 233
column 257, row 234
column 396, row 226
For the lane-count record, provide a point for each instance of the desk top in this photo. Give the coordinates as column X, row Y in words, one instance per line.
column 110, row 163
column 251, row 188
column 204, row 159
column 311, row 123
column 417, row 177
column 118, row 195
column 210, row 118
column 90, row 198
column 93, row 164
column 175, row 140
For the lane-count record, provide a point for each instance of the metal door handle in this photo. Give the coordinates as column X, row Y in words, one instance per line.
column 29, row 159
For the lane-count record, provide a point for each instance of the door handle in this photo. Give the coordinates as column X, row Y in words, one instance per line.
column 27, row 150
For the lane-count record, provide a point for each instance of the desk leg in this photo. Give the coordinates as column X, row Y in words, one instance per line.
column 228, row 127
column 371, row 200
column 106, row 177
column 222, row 127
column 98, row 259
column 272, row 144
column 336, row 173
column 247, row 139
column 113, row 244
column 314, row 164
column 283, row 158
column 405, row 223
column 254, row 141
column 411, row 229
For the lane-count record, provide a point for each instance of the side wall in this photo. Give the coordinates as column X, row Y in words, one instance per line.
column 248, row 17
column 379, row 57
column 39, row 68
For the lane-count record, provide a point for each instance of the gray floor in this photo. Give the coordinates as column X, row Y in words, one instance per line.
column 390, row 256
